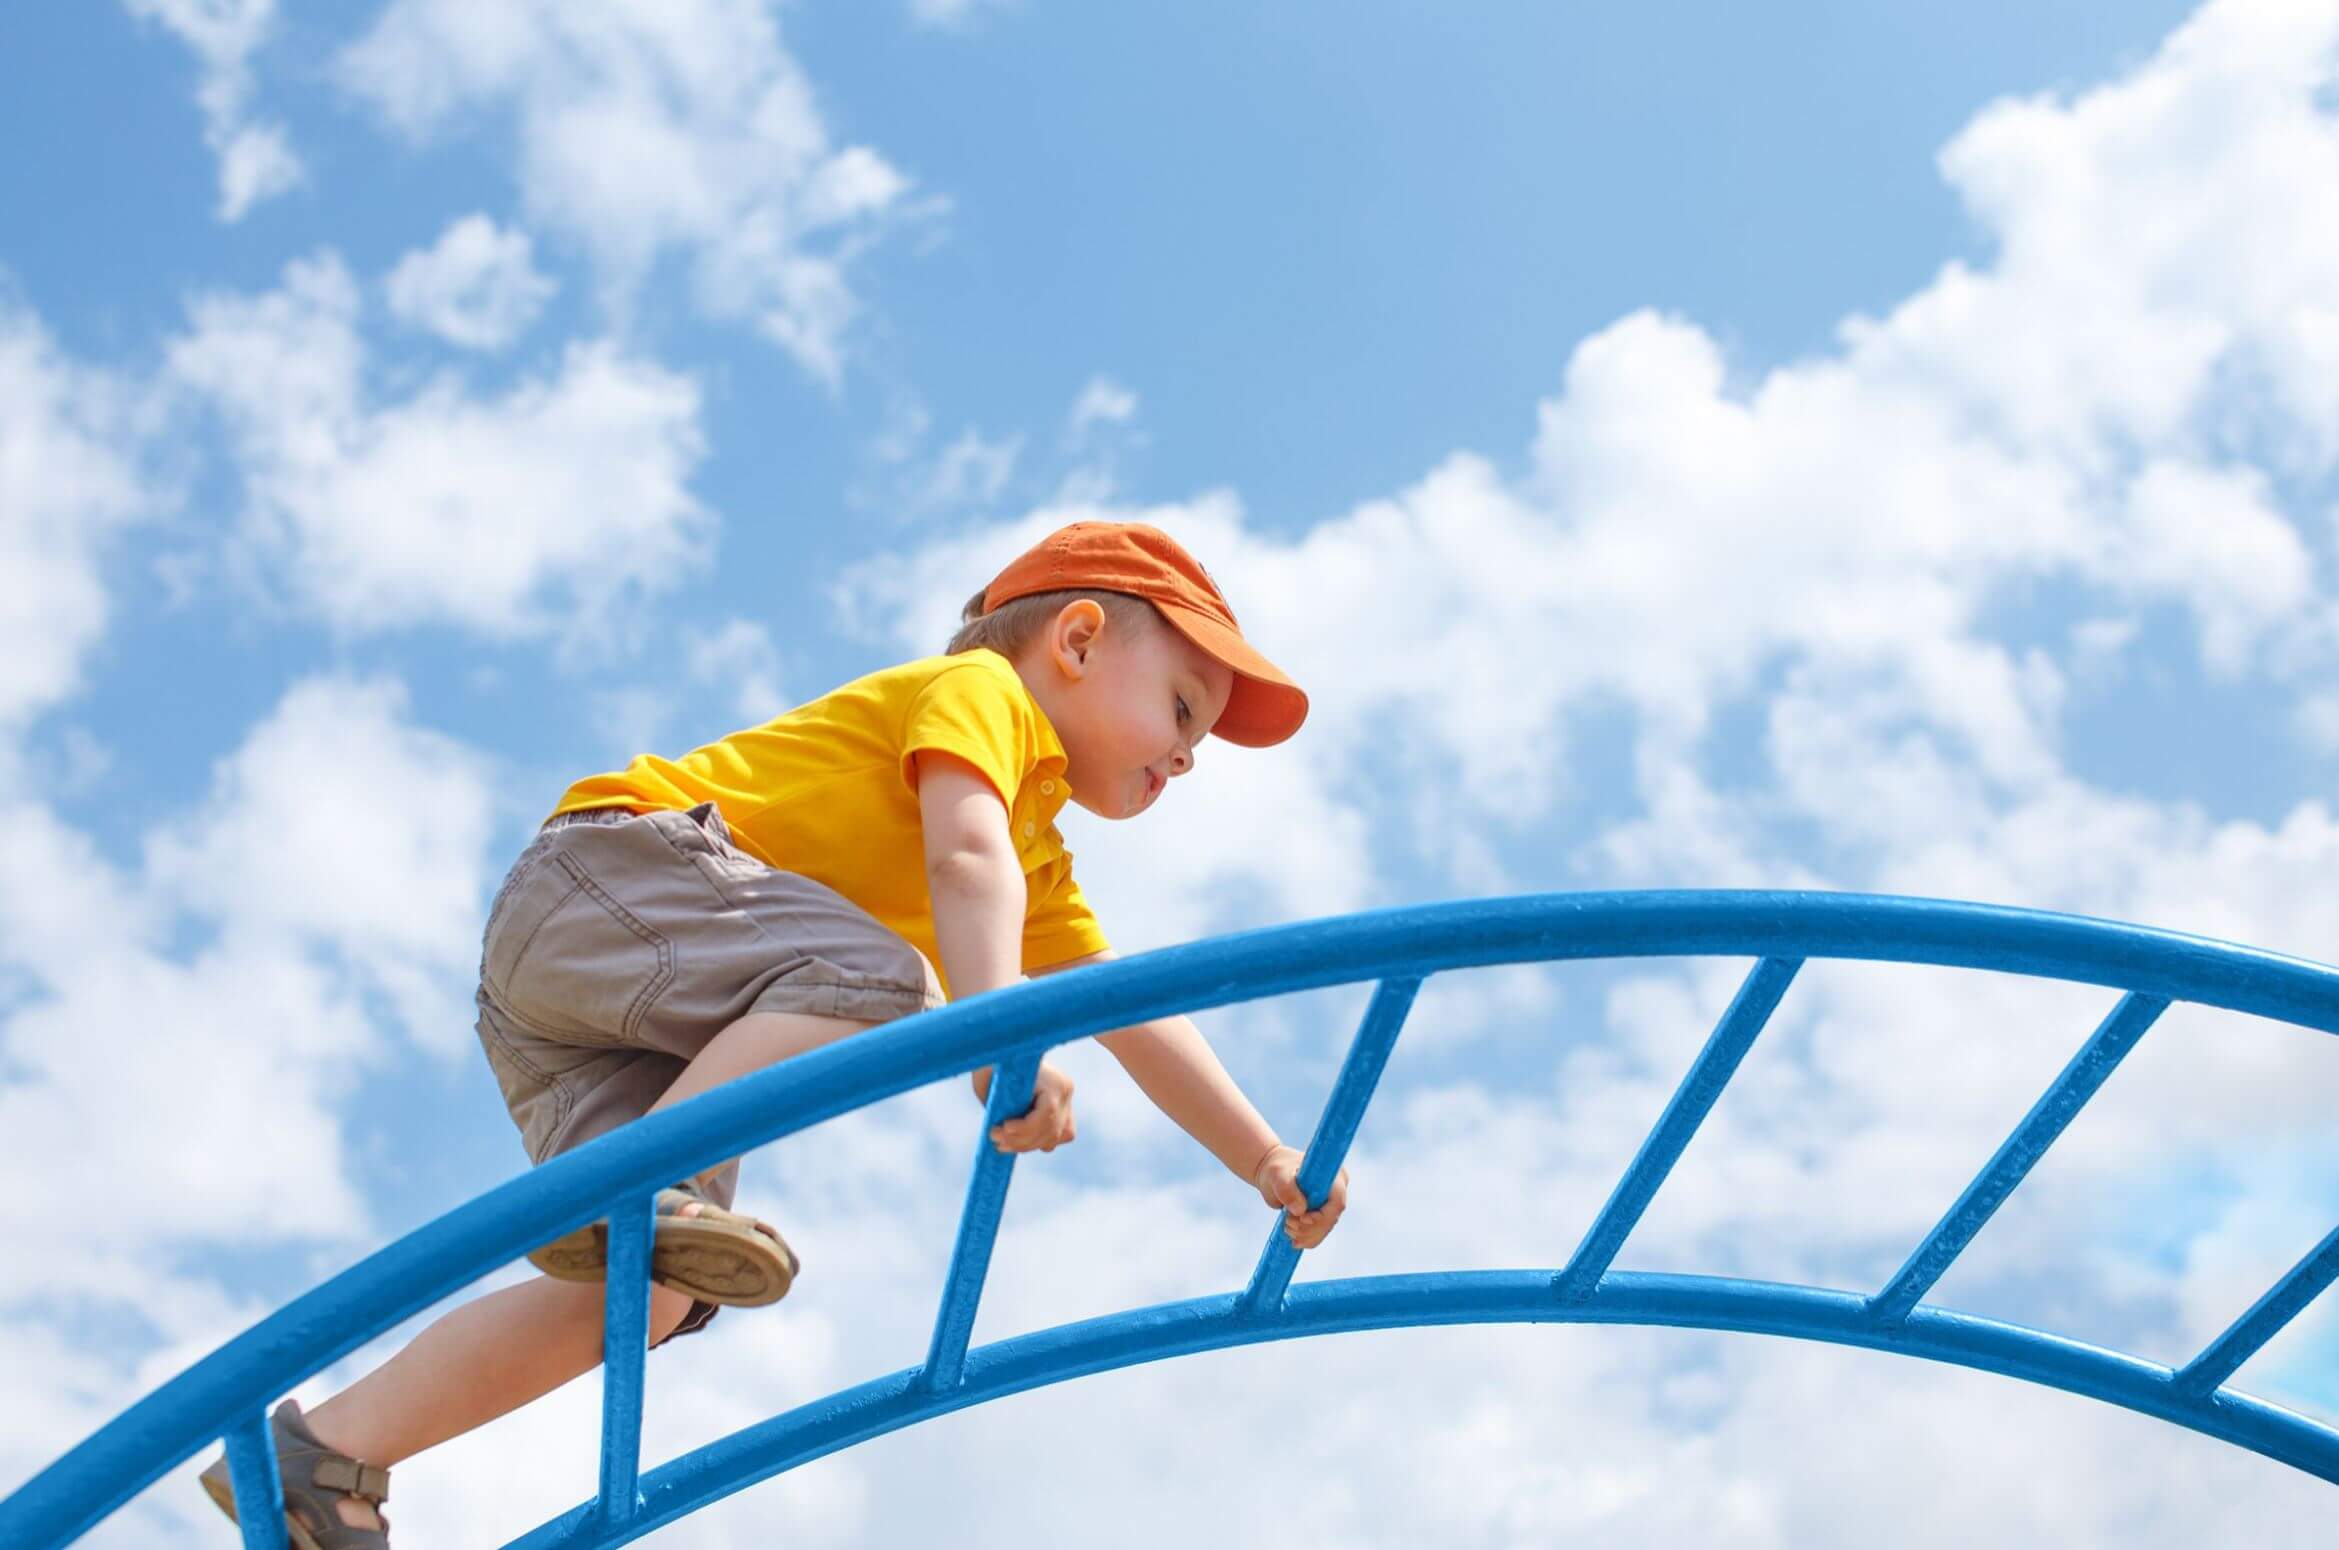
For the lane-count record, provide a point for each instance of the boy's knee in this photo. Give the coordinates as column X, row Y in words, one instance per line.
column 586, row 1305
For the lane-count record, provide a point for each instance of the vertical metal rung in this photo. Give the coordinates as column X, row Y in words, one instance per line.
column 2017, row 1155
column 251, row 1470
column 1749, row 1010
column 1012, row 1082
column 2284, row 1301
column 1352, row 1092
column 625, row 1335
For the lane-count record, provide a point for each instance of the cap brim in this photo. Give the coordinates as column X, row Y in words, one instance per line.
column 1266, row 706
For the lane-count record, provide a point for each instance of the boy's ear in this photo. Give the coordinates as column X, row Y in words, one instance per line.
column 1076, row 627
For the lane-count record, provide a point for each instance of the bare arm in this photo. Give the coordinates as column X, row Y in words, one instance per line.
column 972, row 876
column 1174, row 1065
column 973, row 879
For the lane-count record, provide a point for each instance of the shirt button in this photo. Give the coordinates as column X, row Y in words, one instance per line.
column 1047, row 788
column 1029, row 830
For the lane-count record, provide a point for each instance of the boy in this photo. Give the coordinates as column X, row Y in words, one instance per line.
column 872, row 854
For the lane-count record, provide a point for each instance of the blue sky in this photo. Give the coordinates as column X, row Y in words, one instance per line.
column 1677, row 445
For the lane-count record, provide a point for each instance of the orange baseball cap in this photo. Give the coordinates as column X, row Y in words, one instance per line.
column 1265, row 708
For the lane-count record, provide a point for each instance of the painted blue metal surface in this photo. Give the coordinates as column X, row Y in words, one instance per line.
column 1352, row 1090
column 625, row 1335
column 2015, row 1157
column 226, row 1393
column 252, row 1472
column 1749, row 1010
column 978, row 1225
column 2283, row 1301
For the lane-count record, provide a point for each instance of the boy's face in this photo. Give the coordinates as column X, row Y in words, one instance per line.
column 1128, row 703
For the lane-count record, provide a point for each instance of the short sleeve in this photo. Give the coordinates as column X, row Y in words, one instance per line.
column 968, row 711
column 1058, row 923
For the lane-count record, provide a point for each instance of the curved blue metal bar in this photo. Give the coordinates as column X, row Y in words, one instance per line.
column 225, row 1393
column 1118, row 1340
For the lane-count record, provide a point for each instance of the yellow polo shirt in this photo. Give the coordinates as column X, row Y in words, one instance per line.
column 826, row 791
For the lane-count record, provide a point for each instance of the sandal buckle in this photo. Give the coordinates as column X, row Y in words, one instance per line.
column 352, row 1478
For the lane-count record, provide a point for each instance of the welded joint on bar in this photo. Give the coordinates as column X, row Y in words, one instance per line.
column 1013, row 1081
column 1749, row 1012
column 1264, row 1298
column 2078, row 1082
column 2266, row 1318
column 1254, row 1306
column 1577, row 1287
column 1344, row 1106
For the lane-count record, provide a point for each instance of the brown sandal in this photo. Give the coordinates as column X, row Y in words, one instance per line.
column 718, row 1256
column 315, row 1479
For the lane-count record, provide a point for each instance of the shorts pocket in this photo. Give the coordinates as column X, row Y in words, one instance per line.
column 568, row 960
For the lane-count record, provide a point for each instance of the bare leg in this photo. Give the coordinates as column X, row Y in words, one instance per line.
column 494, row 1354
column 753, row 1042
column 480, row 1360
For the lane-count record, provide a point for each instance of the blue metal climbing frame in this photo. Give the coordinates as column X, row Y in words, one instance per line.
column 226, row 1394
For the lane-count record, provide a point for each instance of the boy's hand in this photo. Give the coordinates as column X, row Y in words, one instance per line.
column 1047, row 1124
column 1278, row 1181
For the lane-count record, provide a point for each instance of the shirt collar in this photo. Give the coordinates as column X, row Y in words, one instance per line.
column 1052, row 759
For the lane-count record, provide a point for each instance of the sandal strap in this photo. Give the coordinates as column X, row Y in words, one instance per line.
column 695, row 1187
column 338, row 1472
column 674, row 1197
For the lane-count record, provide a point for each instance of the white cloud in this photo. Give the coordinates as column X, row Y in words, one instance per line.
column 907, row 483
column 2116, row 404
column 969, row 472
column 194, row 1036
column 545, row 509
column 70, row 483
column 2213, row 537
column 955, row 15
column 741, row 656
column 1102, row 401
column 906, row 424
column 2154, row 233
column 1847, row 522
column 256, row 161
column 2317, row 721
column 338, row 855
column 1099, row 430
column 685, row 129
column 293, row 842
column 477, row 286
column 738, row 659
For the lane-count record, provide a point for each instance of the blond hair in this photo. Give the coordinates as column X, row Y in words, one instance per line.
column 1013, row 625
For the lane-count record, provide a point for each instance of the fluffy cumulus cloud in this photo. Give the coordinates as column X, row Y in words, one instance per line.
column 740, row 656
column 646, row 131
column 2128, row 404
column 558, row 500
column 477, row 286
column 204, row 1093
column 337, row 857
column 1102, row 401
column 293, row 843
column 256, row 159
column 70, row 481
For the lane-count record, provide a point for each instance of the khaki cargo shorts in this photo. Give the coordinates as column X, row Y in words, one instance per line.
column 621, row 943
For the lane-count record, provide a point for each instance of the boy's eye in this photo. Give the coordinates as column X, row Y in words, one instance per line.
column 1183, row 713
